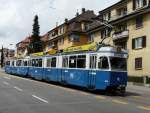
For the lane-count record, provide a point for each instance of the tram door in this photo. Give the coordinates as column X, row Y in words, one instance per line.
column 92, row 72
column 65, row 71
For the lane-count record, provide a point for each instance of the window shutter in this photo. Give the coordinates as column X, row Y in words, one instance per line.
column 144, row 2
column 102, row 34
column 109, row 32
column 133, row 43
column 144, row 41
column 134, row 5
column 109, row 15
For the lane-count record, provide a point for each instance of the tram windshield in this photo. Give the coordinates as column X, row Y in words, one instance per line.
column 119, row 64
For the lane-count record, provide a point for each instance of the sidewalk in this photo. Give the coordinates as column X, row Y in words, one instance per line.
column 139, row 85
column 2, row 69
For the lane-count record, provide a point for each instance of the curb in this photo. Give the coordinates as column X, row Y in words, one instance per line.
column 139, row 84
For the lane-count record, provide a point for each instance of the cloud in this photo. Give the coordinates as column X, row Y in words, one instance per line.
column 16, row 16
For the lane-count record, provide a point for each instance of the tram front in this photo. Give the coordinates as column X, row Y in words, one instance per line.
column 118, row 76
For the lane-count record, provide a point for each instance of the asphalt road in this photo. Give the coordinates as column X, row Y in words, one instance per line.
column 21, row 95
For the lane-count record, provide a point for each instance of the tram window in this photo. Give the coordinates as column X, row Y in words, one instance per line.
column 48, row 62
column 118, row 63
column 40, row 63
column 8, row 63
column 25, row 63
column 81, row 61
column 72, row 61
column 29, row 63
column 18, row 63
column 13, row 63
column 103, row 63
column 65, row 62
column 93, row 61
column 53, row 62
column 33, row 62
column 37, row 63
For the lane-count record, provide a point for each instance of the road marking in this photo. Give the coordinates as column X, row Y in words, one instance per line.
column 100, row 97
column 137, row 97
column 6, row 83
column 144, row 108
column 119, row 102
column 17, row 88
column 7, row 78
column 40, row 98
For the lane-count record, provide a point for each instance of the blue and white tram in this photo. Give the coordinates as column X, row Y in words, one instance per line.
column 98, row 70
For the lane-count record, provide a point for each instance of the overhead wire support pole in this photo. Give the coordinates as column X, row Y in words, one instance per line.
column 106, row 24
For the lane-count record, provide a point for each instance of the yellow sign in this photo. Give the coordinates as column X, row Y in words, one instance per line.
column 87, row 47
column 38, row 54
column 52, row 52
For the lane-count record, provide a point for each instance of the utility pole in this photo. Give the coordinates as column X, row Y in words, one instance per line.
column 2, row 57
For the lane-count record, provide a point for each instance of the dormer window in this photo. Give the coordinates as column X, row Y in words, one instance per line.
column 139, row 4
column 107, row 16
column 122, row 11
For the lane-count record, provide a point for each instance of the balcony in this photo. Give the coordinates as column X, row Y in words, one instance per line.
column 120, row 35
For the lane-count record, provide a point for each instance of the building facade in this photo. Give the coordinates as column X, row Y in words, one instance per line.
column 130, row 20
column 71, row 33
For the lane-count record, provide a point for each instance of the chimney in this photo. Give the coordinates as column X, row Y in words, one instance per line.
column 77, row 14
column 83, row 10
column 66, row 20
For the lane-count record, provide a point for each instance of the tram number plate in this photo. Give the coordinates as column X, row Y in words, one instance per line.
column 119, row 55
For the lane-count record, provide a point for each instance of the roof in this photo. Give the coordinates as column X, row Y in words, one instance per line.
column 45, row 37
column 114, row 5
column 74, row 24
column 24, row 43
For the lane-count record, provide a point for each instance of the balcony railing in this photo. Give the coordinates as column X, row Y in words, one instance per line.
column 120, row 35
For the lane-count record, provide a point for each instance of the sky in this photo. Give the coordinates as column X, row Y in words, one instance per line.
column 16, row 16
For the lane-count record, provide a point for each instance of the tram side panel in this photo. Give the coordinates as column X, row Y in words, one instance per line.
column 51, row 70
column 36, row 69
column 102, row 80
column 76, row 77
column 51, row 74
column 22, row 71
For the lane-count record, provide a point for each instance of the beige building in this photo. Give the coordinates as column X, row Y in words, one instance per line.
column 130, row 20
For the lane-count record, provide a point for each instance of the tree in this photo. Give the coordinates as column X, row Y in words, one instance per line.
column 36, row 43
column 2, row 57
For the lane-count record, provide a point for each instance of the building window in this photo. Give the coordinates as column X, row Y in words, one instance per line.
column 105, row 33
column 61, row 41
column 139, row 4
column 139, row 42
column 138, row 63
column 74, row 38
column 139, row 22
column 91, row 38
column 107, row 16
column 122, row 11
